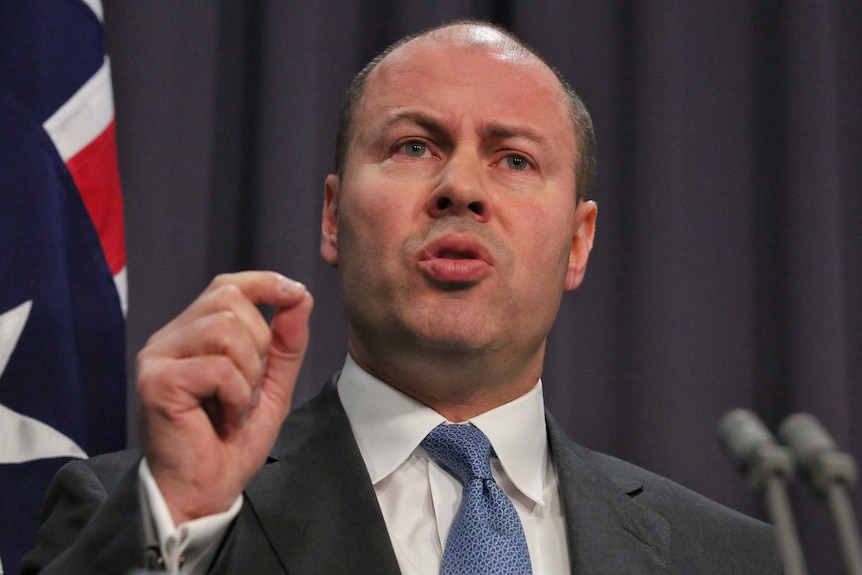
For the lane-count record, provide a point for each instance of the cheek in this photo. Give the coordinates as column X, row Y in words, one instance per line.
column 546, row 240
column 371, row 228
column 380, row 211
column 372, row 236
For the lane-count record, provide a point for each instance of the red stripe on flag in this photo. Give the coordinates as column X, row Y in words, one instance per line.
column 97, row 176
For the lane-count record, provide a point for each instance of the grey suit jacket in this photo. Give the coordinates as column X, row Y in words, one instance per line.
column 311, row 509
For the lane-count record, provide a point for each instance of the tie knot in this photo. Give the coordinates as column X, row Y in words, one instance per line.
column 464, row 449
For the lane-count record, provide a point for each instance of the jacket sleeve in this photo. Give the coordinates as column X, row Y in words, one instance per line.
column 91, row 520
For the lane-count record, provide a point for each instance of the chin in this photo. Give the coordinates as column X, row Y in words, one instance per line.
column 451, row 343
column 445, row 335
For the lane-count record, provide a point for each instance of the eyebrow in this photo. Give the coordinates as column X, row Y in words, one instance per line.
column 504, row 132
column 497, row 131
column 417, row 118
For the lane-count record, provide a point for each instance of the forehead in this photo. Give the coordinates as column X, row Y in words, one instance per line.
column 481, row 76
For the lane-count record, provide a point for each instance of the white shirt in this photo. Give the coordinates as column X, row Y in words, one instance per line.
column 418, row 497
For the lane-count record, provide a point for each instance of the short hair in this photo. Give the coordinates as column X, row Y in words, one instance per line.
column 585, row 166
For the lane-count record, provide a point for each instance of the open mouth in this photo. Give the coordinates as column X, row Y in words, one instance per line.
column 453, row 255
column 455, row 261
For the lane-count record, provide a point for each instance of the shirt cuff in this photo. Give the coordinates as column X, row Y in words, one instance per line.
column 189, row 547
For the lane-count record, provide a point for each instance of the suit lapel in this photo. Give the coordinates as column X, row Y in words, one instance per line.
column 312, row 508
column 314, row 498
column 607, row 531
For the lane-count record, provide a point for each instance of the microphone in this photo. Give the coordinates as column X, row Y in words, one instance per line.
column 768, row 467
column 831, row 473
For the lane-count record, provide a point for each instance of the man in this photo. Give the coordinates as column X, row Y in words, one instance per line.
column 457, row 219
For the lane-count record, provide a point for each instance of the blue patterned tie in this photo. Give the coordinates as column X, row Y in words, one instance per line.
column 486, row 537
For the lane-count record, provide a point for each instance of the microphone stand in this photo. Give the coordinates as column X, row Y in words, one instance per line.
column 768, row 467
column 831, row 473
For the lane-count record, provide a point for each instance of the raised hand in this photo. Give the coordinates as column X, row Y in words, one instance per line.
column 215, row 386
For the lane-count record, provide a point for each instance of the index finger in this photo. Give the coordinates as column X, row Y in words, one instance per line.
column 261, row 286
column 239, row 293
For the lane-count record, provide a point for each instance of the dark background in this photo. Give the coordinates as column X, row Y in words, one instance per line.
column 727, row 264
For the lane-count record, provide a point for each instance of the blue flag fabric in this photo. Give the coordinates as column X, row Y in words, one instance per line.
column 62, row 343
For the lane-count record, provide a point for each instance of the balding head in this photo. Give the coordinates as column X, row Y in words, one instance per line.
column 479, row 36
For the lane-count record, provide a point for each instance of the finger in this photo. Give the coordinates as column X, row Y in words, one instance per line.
column 286, row 352
column 222, row 333
column 240, row 292
column 178, row 389
column 262, row 287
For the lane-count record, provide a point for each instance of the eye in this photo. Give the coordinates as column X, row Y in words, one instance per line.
column 414, row 149
column 516, row 162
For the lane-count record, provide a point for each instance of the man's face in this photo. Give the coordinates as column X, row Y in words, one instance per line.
column 455, row 228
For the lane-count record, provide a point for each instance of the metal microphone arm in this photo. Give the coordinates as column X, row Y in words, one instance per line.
column 831, row 473
column 768, row 467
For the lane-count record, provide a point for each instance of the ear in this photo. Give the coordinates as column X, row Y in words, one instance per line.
column 582, row 243
column 329, row 224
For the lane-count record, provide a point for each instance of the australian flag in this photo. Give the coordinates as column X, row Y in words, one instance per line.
column 62, row 258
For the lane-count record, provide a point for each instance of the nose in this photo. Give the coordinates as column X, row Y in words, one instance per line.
column 460, row 190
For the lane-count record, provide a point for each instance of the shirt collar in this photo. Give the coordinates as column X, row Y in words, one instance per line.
column 389, row 425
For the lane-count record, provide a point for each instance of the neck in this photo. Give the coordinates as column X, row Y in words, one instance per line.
column 457, row 386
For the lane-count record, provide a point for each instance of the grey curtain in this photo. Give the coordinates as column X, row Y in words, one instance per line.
column 727, row 267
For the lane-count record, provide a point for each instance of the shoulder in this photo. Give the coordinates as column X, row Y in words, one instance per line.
column 700, row 527
column 676, row 502
column 702, row 534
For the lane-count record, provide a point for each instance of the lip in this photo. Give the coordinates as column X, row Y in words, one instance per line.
column 455, row 260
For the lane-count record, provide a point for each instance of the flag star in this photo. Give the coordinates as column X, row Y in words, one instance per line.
column 23, row 438
column 12, row 325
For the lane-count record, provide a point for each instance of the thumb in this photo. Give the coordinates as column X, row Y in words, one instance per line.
column 287, row 350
